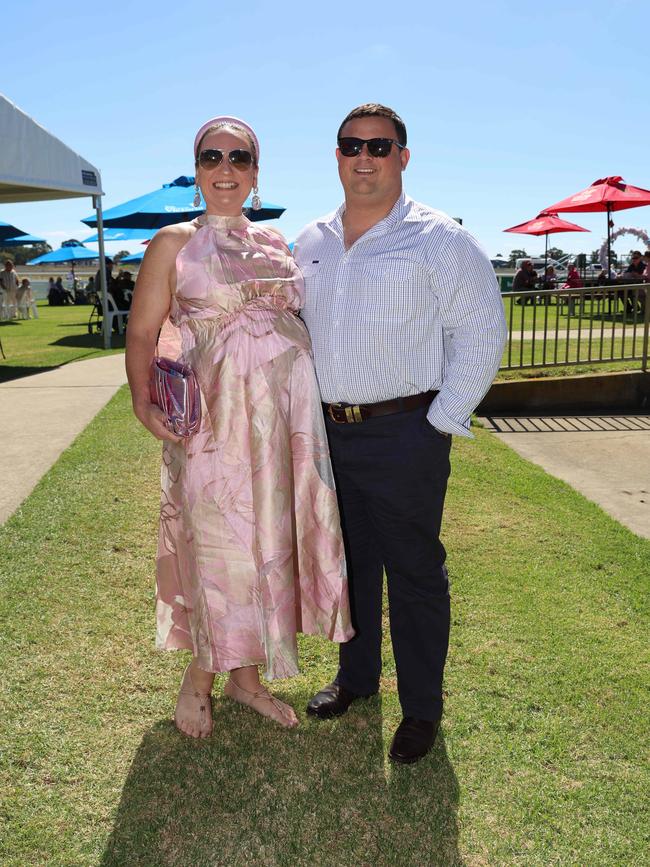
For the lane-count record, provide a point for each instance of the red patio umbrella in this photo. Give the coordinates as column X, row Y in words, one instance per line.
column 546, row 224
column 605, row 194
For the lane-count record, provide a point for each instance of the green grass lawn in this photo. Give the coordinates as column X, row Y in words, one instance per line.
column 529, row 315
column 542, row 758
column 58, row 336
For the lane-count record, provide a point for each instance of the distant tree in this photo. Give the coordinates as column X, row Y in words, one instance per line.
column 594, row 256
column 119, row 256
column 555, row 253
column 516, row 254
column 22, row 255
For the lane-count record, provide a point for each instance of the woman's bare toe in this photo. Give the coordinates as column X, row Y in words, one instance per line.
column 193, row 715
column 263, row 702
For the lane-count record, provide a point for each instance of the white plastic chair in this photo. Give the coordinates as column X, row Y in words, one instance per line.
column 112, row 313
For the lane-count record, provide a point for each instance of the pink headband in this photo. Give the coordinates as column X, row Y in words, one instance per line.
column 226, row 119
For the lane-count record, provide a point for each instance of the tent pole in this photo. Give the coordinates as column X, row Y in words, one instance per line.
column 97, row 203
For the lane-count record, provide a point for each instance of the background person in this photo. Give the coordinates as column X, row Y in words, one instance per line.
column 573, row 278
column 108, row 269
column 250, row 549
column 635, row 273
column 525, row 280
column 573, row 281
column 646, row 262
column 635, row 268
column 9, row 283
column 548, row 282
column 25, row 299
column 64, row 294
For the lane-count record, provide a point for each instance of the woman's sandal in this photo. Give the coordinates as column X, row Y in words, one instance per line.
column 204, row 701
column 261, row 694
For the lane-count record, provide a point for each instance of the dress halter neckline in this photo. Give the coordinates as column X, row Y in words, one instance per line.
column 223, row 222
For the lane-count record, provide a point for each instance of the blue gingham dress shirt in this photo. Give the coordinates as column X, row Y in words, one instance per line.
column 413, row 305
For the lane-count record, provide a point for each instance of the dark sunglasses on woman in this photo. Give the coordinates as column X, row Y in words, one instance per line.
column 377, row 147
column 240, row 159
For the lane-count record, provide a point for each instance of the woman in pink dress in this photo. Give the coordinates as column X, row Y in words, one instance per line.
column 250, row 550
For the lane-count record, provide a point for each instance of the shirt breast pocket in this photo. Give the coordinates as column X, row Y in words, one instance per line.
column 399, row 289
column 309, row 270
column 386, row 271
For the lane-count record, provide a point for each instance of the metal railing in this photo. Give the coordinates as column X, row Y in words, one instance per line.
column 562, row 327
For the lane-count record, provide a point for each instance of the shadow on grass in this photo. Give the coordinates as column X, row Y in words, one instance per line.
column 91, row 341
column 254, row 794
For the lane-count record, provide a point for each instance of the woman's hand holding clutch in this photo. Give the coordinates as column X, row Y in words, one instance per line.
column 153, row 418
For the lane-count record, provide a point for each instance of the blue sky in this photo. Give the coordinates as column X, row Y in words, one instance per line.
column 509, row 106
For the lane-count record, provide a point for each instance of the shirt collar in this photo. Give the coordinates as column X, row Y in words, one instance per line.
column 401, row 210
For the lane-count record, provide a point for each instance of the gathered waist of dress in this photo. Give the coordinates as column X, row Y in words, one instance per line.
column 189, row 313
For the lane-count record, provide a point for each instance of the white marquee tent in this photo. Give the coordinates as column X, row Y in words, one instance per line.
column 35, row 165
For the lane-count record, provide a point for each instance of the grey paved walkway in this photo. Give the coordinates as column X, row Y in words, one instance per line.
column 43, row 414
column 606, row 458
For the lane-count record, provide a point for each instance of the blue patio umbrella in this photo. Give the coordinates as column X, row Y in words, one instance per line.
column 134, row 257
column 23, row 240
column 170, row 204
column 76, row 253
column 9, row 231
column 123, row 235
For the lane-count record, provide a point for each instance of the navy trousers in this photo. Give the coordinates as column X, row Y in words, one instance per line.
column 391, row 474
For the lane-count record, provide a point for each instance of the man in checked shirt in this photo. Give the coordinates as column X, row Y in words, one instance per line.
column 408, row 330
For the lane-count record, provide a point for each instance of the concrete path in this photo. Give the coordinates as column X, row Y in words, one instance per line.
column 43, row 414
column 606, row 458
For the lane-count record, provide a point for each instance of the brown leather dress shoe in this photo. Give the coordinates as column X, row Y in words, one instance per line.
column 413, row 739
column 333, row 700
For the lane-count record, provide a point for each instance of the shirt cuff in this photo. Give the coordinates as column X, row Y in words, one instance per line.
column 437, row 417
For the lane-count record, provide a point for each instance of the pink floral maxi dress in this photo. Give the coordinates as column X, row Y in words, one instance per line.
column 250, row 548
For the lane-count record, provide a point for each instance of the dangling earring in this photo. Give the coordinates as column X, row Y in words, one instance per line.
column 197, row 196
column 256, row 202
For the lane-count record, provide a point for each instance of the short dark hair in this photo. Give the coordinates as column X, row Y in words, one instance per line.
column 375, row 109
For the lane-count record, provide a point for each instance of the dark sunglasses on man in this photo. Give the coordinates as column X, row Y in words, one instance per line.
column 377, row 147
column 239, row 158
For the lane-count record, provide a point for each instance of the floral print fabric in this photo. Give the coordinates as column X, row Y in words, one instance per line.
column 250, row 550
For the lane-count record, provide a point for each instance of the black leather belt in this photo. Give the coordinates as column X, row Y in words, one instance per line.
column 350, row 413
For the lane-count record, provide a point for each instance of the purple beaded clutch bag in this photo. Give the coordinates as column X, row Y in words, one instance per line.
column 175, row 389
